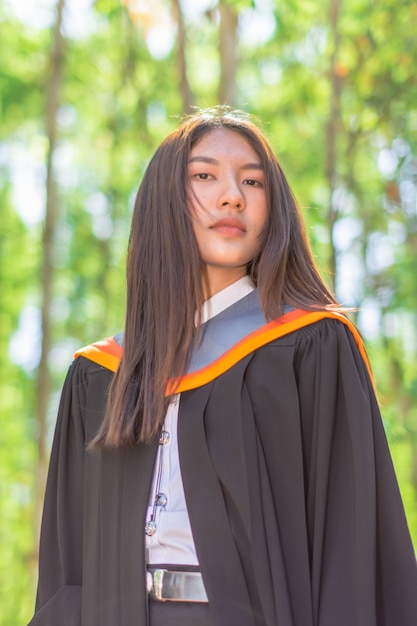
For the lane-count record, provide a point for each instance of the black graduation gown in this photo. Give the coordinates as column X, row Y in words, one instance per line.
column 292, row 497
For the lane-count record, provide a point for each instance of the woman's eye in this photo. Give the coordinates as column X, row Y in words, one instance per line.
column 251, row 182
column 202, row 176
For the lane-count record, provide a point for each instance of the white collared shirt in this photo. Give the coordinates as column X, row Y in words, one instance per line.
column 172, row 541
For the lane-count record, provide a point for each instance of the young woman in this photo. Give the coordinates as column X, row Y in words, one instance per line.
column 227, row 466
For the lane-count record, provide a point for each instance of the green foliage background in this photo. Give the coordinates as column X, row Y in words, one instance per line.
column 120, row 96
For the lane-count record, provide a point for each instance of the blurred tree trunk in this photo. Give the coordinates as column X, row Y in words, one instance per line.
column 187, row 95
column 228, row 54
column 332, row 128
column 53, row 88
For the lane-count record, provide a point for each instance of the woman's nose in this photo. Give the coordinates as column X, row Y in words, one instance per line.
column 232, row 196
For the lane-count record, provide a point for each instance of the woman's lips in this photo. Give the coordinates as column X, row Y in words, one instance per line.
column 229, row 226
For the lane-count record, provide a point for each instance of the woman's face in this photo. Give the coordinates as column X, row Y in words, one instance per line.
column 225, row 185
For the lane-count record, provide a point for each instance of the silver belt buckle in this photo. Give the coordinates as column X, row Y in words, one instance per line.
column 164, row 585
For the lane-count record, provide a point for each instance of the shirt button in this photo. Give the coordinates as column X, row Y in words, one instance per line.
column 164, row 438
column 150, row 528
column 160, row 499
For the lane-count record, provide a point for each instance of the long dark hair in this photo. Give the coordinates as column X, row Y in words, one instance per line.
column 164, row 286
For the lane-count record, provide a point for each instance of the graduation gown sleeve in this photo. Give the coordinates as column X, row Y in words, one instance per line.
column 302, row 489
column 92, row 559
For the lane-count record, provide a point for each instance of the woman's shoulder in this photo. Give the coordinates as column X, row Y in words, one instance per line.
column 331, row 329
column 318, row 334
column 105, row 353
column 299, row 326
column 329, row 325
column 93, row 364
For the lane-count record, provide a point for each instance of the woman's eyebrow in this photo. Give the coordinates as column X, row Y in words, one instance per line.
column 204, row 159
column 211, row 161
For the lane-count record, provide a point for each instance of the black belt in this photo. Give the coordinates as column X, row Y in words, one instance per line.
column 165, row 585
